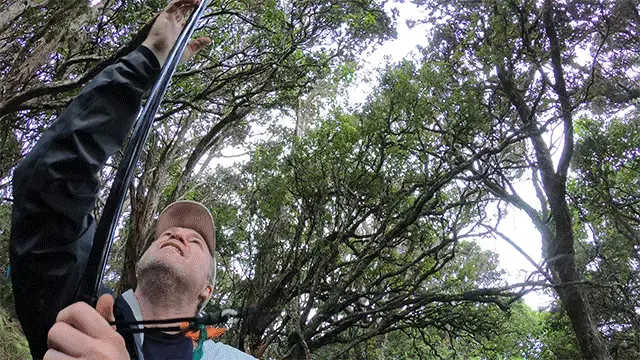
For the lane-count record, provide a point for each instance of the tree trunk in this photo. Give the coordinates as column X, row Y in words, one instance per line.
column 128, row 278
column 558, row 247
column 558, row 236
column 560, row 255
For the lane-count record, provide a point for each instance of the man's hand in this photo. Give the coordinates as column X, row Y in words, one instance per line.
column 167, row 28
column 82, row 332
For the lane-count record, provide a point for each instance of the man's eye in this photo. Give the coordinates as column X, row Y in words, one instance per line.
column 198, row 240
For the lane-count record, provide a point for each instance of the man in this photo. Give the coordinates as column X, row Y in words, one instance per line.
column 55, row 188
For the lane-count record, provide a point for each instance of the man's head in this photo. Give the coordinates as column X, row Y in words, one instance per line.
column 179, row 266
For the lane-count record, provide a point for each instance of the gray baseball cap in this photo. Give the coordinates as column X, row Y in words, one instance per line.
column 189, row 215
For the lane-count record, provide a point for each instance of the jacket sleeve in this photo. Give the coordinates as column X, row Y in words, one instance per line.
column 55, row 189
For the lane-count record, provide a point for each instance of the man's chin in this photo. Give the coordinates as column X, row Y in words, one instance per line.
column 160, row 271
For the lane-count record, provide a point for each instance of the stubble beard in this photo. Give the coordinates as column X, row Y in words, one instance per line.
column 162, row 284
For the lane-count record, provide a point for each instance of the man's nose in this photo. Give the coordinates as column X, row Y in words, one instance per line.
column 180, row 236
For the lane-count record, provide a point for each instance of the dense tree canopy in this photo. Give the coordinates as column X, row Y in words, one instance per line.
column 356, row 232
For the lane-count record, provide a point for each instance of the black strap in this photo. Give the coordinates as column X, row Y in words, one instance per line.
column 122, row 312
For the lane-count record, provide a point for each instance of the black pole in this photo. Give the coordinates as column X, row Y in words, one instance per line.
column 89, row 286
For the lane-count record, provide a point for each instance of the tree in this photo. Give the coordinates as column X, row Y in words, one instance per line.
column 525, row 55
column 353, row 231
column 522, row 333
column 605, row 196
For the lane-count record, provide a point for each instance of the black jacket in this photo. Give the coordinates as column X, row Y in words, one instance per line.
column 55, row 189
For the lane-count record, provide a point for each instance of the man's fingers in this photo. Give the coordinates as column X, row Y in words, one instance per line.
column 181, row 5
column 83, row 332
column 53, row 354
column 181, row 9
column 84, row 318
column 196, row 44
column 104, row 307
column 69, row 340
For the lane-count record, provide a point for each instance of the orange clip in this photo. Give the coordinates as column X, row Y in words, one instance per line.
column 212, row 333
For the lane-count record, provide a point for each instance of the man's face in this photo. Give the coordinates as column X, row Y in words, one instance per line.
column 184, row 252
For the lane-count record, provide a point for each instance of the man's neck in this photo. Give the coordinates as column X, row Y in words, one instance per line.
column 159, row 309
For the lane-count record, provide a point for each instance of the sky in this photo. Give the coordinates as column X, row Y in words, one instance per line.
column 515, row 225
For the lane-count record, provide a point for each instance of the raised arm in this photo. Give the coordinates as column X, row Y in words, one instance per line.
column 56, row 186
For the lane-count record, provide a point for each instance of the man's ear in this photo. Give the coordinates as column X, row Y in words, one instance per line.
column 206, row 293
column 204, row 297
